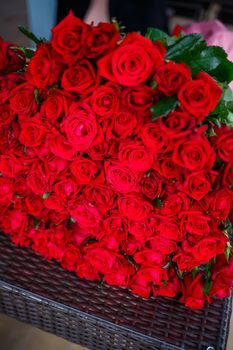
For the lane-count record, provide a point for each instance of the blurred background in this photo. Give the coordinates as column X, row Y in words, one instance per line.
column 136, row 15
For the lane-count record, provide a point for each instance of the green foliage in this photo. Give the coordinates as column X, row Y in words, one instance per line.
column 37, row 96
column 163, row 107
column 46, row 195
column 30, row 35
column 155, row 34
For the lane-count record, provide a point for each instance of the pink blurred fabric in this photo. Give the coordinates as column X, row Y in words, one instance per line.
column 215, row 33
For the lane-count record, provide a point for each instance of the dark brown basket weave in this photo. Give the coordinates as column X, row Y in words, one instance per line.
column 102, row 317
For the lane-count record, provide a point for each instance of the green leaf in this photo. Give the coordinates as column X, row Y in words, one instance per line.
column 158, row 203
column 72, row 220
column 37, row 96
column 208, row 59
column 0, row 173
column 207, row 287
column 55, row 86
column 163, row 107
column 168, row 264
column 46, row 195
column 194, row 272
column 36, row 223
column 118, row 25
column 30, row 35
column 229, row 106
column 224, row 71
column 155, row 34
column 227, row 251
column 184, row 47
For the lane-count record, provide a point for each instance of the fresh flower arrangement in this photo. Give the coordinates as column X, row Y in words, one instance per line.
column 116, row 157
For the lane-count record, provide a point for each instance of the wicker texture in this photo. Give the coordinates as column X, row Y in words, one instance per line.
column 102, row 317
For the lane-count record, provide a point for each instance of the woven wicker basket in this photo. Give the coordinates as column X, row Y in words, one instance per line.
column 44, row 295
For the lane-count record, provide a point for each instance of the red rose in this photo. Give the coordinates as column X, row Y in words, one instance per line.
column 162, row 244
column 35, row 205
column 86, row 214
column 198, row 184
column 139, row 99
column 207, row 247
column 167, row 168
column 194, row 153
column 151, row 185
column 147, row 256
column 6, row 189
column 193, row 292
column 99, row 147
column 133, row 206
column 116, row 224
column 10, row 60
column 86, row 171
column 43, row 69
column 175, row 203
column 69, row 38
column 101, row 196
column 154, row 139
column 121, row 178
column 132, row 63
column 71, row 257
column 170, row 228
column 222, row 277
column 60, row 146
column 54, row 166
column 196, row 223
column 9, row 136
column 223, row 143
column 100, row 258
column 171, row 76
column 170, row 288
column 101, row 39
column 7, row 115
column 56, row 105
column 220, row 203
column 177, row 124
column 7, row 83
column 10, row 166
column 135, row 155
column 228, row 174
column 199, row 97
column 22, row 100
column 66, row 188
column 122, row 125
column 142, row 230
column 105, row 100
column 55, row 202
column 20, row 187
column 80, row 79
column 14, row 221
column 120, row 274
column 33, row 132
column 145, row 278
column 38, row 181
column 80, row 128
column 185, row 261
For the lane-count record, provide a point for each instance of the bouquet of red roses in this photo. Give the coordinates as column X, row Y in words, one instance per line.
column 116, row 157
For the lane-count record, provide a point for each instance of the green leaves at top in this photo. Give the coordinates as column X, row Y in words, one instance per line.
column 193, row 50
column 30, row 35
column 163, row 107
column 185, row 47
column 154, row 34
column 223, row 113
